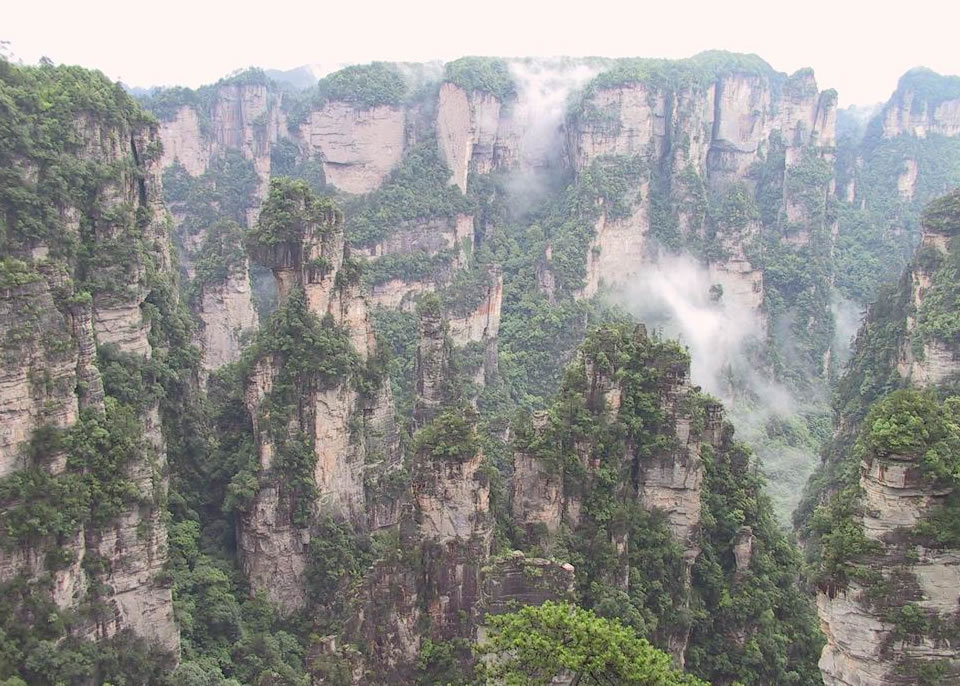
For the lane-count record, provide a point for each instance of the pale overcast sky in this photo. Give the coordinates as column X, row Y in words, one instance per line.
column 858, row 47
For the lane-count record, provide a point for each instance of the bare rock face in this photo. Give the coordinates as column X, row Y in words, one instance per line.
column 37, row 383
column 426, row 236
column 849, row 657
column 518, row 579
column 389, row 621
column 467, row 128
column 453, row 501
column 136, row 545
column 185, row 142
column 243, row 116
column 538, row 500
column 618, row 252
column 633, row 119
column 452, row 236
column 359, row 147
column 454, row 523
column 672, row 483
column 907, row 181
column 273, row 552
column 400, row 294
column 432, row 366
column 743, row 549
column 483, row 323
column 227, row 315
column 478, row 131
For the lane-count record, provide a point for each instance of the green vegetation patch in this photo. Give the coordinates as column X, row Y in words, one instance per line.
column 535, row 644
column 928, row 87
column 700, row 70
column 451, row 436
column 486, row 74
column 419, row 189
column 290, row 211
column 364, row 85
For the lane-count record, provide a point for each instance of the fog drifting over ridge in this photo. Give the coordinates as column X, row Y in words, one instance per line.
column 673, row 297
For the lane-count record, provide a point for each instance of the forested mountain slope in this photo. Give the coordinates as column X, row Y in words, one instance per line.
column 308, row 386
column 699, row 195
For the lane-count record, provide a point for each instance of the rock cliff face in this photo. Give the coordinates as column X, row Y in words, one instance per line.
column 891, row 165
column 467, row 129
column 924, row 360
column 452, row 500
column 905, row 573
column 483, row 322
column 545, row 499
column 57, row 312
column 449, row 235
column 910, row 112
column 228, row 316
column 865, row 645
column 445, row 531
column 697, row 139
column 243, row 118
column 348, row 437
column 359, row 147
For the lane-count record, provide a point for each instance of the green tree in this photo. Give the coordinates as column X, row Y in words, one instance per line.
column 535, row 644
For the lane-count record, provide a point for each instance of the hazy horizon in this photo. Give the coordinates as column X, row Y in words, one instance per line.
column 854, row 46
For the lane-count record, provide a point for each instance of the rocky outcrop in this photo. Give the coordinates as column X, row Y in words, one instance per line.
column 864, row 643
column 358, row 146
column 432, row 365
column 48, row 374
column 352, row 437
column 429, row 237
column 538, row 500
column 516, row 579
column 886, row 622
column 480, row 132
column 185, row 141
column 912, row 112
column 451, row 236
column 38, row 369
column 135, row 546
column 467, row 127
column 239, row 117
column 452, row 500
column 618, row 252
column 672, row 483
column 923, row 360
column 228, row 319
column 669, row 481
column 483, row 322
column 697, row 139
column 400, row 294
